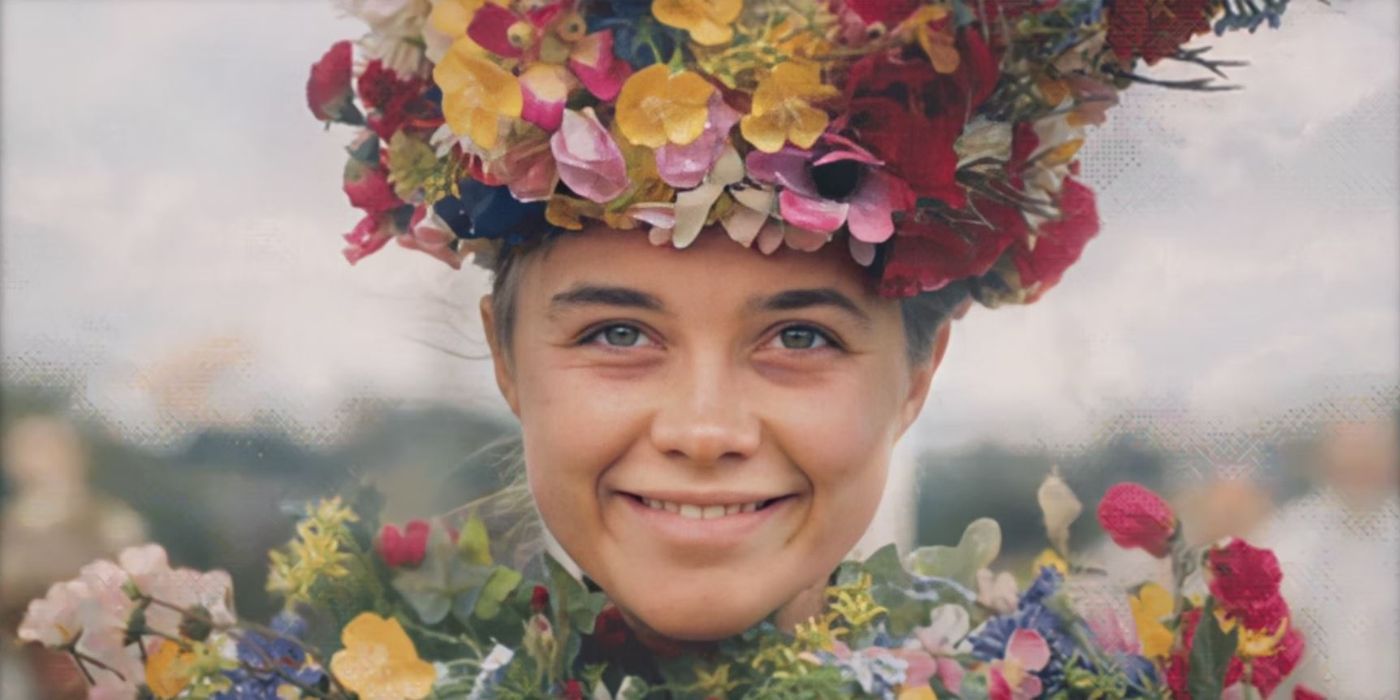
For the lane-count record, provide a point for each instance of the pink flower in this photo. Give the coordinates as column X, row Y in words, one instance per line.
column 685, row 166
column 834, row 184
column 328, row 90
column 589, row 161
column 1135, row 517
column 550, row 76
column 368, row 236
column 427, row 232
column 948, row 625
column 1013, row 676
column 406, row 548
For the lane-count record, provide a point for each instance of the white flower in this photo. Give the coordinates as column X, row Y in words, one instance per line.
column 55, row 620
column 396, row 31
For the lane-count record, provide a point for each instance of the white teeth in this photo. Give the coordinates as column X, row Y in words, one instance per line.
column 687, row 510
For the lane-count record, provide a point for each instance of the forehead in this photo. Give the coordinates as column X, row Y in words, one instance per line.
column 713, row 269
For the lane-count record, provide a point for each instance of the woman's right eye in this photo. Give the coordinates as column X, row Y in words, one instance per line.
column 618, row 335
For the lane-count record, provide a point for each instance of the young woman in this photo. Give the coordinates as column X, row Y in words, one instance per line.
column 727, row 239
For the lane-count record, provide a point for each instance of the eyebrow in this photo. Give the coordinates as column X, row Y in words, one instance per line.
column 585, row 294
column 604, row 295
column 795, row 299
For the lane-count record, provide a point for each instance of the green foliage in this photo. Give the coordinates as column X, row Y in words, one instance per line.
column 1211, row 651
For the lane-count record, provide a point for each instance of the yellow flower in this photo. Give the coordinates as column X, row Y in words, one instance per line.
column 707, row 20
column 920, row 693
column 1254, row 644
column 1052, row 559
column 1151, row 604
column 330, row 513
column 782, row 111
column 168, row 669
column 937, row 43
column 657, row 107
column 853, row 602
column 476, row 94
column 817, row 634
column 379, row 661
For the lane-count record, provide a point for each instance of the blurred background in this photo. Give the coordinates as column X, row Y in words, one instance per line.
column 186, row 356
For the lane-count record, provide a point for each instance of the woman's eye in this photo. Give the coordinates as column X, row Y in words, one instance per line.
column 618, row 335
column 803, row 338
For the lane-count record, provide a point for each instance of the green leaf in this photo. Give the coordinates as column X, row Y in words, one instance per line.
column 497, row 588
column 884, row 566
column 474, row 542
column 978, row 548
column 1211, row 651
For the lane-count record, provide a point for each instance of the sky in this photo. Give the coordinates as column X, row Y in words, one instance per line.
column 170, row 214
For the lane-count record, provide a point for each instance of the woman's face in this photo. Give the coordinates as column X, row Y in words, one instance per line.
column 706, row 431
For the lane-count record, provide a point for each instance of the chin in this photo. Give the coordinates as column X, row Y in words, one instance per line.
column 702, row 607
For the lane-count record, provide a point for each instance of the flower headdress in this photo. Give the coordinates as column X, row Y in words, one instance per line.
column 934, row 138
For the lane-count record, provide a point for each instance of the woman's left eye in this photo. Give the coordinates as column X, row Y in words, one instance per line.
column 803, row 338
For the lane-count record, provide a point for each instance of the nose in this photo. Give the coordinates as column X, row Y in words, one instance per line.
column 704, row 417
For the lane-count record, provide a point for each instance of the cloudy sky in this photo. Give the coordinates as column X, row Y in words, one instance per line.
column 171, row 211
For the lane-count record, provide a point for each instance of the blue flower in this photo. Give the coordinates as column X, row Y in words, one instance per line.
column 989, row 642
column 268, row 662
column 483, row 211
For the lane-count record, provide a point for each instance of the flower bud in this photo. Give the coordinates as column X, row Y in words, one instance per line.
column 1135, row 517
column 195, row 624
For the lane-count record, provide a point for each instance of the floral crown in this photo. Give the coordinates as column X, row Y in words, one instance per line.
column 938, row 136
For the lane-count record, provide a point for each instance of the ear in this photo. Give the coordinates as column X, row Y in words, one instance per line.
column 505, row 374
column 922, row 378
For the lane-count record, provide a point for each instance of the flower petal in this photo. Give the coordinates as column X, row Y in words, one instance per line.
column 597, row 67
column 1029, row 648
column 692, row 209
column 490, row 28
column 787, row 167
column 878, row 197
column 821, row 215
column 589, row 161
column 544, row 89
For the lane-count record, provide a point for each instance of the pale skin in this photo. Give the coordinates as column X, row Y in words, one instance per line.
column 651, row 383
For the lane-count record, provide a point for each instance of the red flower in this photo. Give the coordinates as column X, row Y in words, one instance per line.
column 927, row 256
column 610, row 629
column 405, row 548
column 539, row 599
column 395, row 102
column 1136, row 517
column 328, row 89
column 1059, row 243
column 909, row 115
column 1155, row 29
column 888, row 12
column 1179, row 665
column 1267, row 673
column 1301, row 692
column 1245, row 581
column 573, row 690
column 368, row 187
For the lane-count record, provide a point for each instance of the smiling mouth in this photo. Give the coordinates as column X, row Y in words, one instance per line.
column 694, row 511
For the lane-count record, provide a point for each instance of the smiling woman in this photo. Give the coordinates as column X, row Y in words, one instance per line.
column 728, row 239
column 684, row 429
